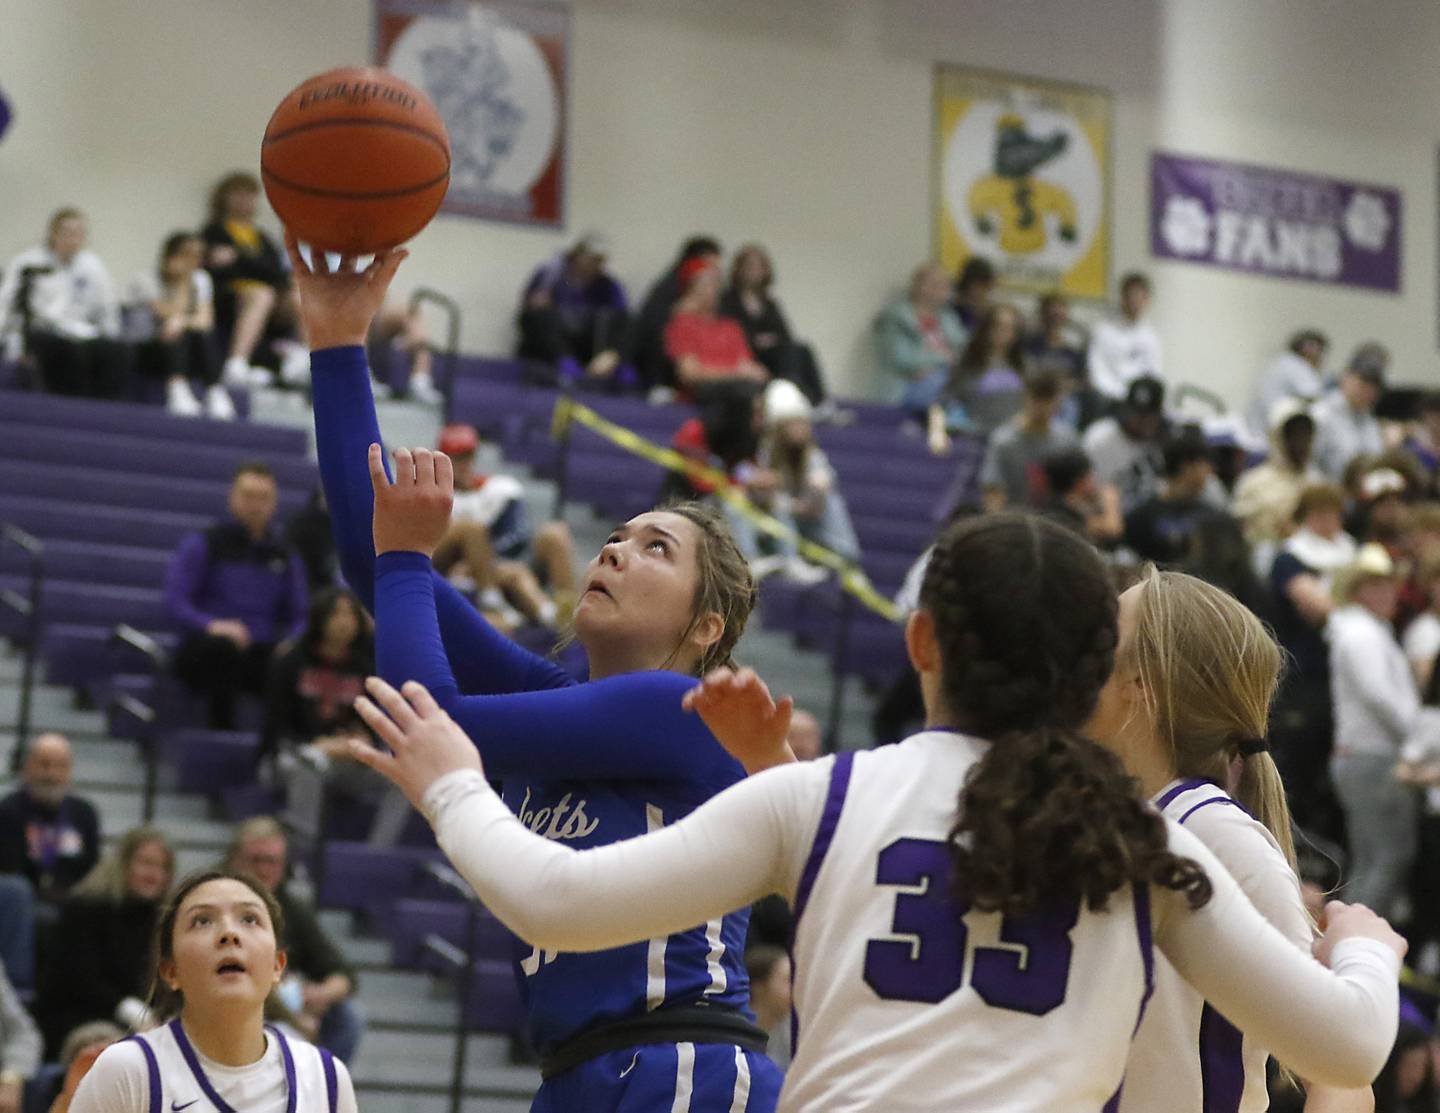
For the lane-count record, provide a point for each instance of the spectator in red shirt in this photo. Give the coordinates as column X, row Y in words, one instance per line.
column 706, row 347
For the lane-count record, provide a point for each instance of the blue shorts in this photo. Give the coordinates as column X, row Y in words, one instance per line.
column 666, row 1077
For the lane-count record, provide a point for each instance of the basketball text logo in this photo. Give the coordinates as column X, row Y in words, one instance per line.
column 357, row 94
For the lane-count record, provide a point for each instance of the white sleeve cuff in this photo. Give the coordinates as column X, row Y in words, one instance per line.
column 448, row 790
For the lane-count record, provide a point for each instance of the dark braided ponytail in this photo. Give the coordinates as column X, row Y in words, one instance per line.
column 1025, row 618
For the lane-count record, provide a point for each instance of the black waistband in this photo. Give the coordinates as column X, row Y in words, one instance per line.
column 679, row 1024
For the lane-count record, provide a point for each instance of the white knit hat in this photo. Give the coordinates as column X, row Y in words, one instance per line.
column 785, row 402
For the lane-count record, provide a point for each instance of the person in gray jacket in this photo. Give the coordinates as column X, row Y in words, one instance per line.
column 1376, row 707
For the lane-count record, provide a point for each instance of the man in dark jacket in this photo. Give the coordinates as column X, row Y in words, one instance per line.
column 236, row 591
column 48, row 835
column 326, row 981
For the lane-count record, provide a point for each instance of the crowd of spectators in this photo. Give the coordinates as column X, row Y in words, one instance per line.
column 1317, row 513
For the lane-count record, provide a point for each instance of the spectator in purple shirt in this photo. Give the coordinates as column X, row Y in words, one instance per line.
column 574, row 316
column 237, row 591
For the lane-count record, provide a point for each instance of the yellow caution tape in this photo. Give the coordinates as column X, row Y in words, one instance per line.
column 852, row 579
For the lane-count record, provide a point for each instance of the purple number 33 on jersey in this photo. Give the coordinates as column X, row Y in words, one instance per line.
column 1029, row 980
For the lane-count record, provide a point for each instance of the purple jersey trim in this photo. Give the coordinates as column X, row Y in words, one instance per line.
column 1203, row 803
column 332, row 1084
column 1144, row 929
column 152, row 1070
column 291, row 1088
column 1222, row 1064
column 1184, row 786
column 193, row 1062
column 829, row 819
column 824, row 834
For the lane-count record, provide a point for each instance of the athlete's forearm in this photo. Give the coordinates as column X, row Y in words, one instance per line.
column 723, row 856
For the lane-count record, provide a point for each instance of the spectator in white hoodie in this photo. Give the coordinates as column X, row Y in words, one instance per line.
column 59, row 310
column 1376, row 707
column 1293, row 374
column 1126, row 347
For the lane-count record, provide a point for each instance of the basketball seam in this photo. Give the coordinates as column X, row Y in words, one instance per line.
column 364, row 121
column 344, row 195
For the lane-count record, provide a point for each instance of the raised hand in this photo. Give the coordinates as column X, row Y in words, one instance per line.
column 338, row 306
column 413, row 513
column 743, row 717
column 424, row 741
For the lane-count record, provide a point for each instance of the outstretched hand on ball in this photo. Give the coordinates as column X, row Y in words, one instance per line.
column 412, row 514
column 338, row 306
column 424, row 741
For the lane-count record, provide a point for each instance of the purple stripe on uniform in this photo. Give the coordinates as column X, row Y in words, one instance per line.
column 332, row 1084
column 824, row 834
column 1212, row 800
column 290, row 1086
column 152, row 1070
column 1144, row 930
column 1222, row 1065
column 188, row 1053
column 1184, row 786
column 829, row 819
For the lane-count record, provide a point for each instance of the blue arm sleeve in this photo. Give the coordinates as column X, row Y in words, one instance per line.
column 621, row 728
column 483, row 659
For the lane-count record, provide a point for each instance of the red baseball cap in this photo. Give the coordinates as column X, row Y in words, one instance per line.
column 459, row 440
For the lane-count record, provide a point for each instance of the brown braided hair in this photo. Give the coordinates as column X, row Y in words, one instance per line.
column 724, row 586
column 1025, row 618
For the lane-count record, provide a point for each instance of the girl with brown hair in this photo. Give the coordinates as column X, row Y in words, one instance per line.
column 665, row 600
column 218, row 957
column 975, row 906
column 1187, row 709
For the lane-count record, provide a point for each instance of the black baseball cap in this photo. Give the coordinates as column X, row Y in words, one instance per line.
column 1146, row 395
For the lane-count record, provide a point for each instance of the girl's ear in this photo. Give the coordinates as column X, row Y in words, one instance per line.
column 707, row 631
column 920, row 642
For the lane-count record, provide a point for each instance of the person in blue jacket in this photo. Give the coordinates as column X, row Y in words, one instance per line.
column 662, row 1025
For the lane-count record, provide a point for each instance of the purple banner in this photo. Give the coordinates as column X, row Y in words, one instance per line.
column 1274, row 222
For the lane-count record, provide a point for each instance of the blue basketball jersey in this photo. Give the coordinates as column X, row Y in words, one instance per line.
column 565, row 994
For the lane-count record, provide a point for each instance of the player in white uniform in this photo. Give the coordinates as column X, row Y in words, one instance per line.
column 1187, row 708
column 994, row 954
column 218, row 961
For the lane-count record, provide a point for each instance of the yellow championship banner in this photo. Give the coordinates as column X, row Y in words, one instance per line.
column 1022, row 178
column 852, row 580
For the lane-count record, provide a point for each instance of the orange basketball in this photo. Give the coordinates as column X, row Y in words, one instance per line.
column 355, row 160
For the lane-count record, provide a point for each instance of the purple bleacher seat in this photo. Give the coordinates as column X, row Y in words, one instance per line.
column 407, row 922
column 121, row 565
column 241, row 802
column 874, row 649
column 125, row 489
column 360, row 877
column 883, row 533
column 495, row 1004
column 144, row 455
column 78, row 601
column 133, row 419
column 103, row 525
column 77, row 653
column 209, row 760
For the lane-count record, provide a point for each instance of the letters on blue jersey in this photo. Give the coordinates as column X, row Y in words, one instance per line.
column 547, row 822
column 565, row 993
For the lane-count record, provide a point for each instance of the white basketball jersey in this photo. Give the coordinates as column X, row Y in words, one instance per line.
column 1187, row 1058
column 907, row 1003
column 178, row 1080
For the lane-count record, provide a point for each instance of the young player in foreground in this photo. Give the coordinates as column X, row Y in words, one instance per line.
column 662, row 1022
column 218, row 960
column 975, row 906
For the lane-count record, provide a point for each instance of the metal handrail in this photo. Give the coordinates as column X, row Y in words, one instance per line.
column 465, row 960
column 27, row 608
column 127, row 636
column 451, row 309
